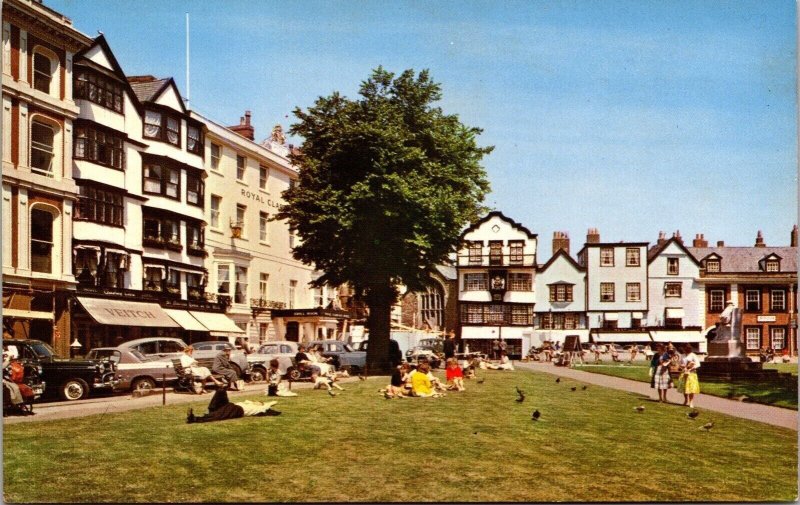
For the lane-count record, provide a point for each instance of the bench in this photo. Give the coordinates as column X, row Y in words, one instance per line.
column 187, row 381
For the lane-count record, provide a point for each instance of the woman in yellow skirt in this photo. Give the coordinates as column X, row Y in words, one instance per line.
column 692, row 384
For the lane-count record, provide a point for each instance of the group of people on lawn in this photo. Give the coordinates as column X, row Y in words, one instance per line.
column 666, row 358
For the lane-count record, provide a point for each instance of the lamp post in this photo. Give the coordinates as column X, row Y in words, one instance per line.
column 74, row 347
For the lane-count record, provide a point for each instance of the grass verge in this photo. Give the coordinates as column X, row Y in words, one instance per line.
column 757, row 392
column 479, row 445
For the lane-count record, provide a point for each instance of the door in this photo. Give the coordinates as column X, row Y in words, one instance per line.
column 293, row 331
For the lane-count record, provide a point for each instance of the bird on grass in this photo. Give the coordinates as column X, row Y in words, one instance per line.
column 521, row 396
column 558, row 380
column 585, row 388
column 693, row 414
column 330, row 392
column 707, row 426
column 536, row 414
column 640, row 408
column 574, row 388
column 362, row 378
column 481, row 381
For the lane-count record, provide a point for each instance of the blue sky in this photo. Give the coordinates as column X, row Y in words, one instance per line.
column 630, row 117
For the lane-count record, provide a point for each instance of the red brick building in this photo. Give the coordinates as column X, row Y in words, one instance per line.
column 436, row 308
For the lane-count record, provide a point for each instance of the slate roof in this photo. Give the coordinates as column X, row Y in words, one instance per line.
column 745, row 259
column 447, row 271
column 146, row 91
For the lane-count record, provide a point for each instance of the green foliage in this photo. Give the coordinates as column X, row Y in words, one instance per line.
column 387, row 182
column 479, row 445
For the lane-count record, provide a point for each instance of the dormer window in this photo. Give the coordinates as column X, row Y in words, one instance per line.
column 712, row 265
column 773, row 266
column 163, row 127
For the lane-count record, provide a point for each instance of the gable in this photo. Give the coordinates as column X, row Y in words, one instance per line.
column 96, row 55
column 169, row 98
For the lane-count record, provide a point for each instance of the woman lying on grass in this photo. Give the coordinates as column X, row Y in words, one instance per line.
column 220, row 409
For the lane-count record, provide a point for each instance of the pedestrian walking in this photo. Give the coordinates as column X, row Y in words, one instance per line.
column 503, row 347
column 634, row 351
column 663, row 381
column 449, row 346
column 495, row 349
column 692, row 384
column 654, row 364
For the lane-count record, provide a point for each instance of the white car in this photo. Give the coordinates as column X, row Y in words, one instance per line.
column 283, row 350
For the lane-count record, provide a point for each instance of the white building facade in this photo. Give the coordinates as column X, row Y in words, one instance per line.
column 560, row 290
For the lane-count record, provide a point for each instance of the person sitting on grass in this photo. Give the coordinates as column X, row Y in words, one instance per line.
column 421, row 384
column 274, row 385
column 201, row 372
column 455, row 376
column 505, row 363
column 397, row 384
column 320, row 361
column 327, row 381
column 220, row 409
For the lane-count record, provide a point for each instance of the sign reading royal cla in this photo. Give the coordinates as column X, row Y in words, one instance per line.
column 127, row 313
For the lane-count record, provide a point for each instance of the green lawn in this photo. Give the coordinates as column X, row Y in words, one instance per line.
column 479, row 445
column 757, row 392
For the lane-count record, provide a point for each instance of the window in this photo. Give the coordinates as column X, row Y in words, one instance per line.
column 515, row 252
column 41, row 241
column 522, row 314
column 100, row 206
column 7, row 51
column 195, row 189
column 520, row 282
column 194, row 288
column 475, row 253
column 773, row 266
column 292, row 293
column 163, row 127
column 216, row 203
column 494, row 314
column 194, row 139
column 98, row 146
column 632, row 257
column 174, row 282
column 42, row 72
column 215, row 156
column 636, row 322
column 161, row 180
column 752, row 300
column 476, row 282
column 712, row 266
column 672, row 266
column 560, row 292
column 223, row 279
column 85, row 265
column 432, row 307
column 606, row 291
column 606, row 257
column 153, row 275
column 263, row 219
column 778, row 338
column 633, row 292
column 610, row 324
column 241, row 210
column 241, row 285
column 291, row 238
column 263, row 285
column 161, row 232
column 99, row 89
column 753, row 337
column 263, row 177
column 42, row 148
column 195, row 240
column 495, row 252
column 241, row 162
column 777, row 300
column 673, row 289
column 471, row 313
column 716, row 300
column 318, row 297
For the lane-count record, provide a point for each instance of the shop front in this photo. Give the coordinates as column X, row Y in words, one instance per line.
column 306, row 325
column 481, row 338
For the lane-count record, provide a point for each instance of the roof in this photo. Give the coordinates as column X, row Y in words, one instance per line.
column 659, row 248
column 745, row 259
column 447, row 271
column 147, row 91
column 497, row 213
column 570, row 259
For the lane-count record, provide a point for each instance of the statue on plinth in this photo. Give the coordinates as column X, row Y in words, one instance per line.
column 727, row 343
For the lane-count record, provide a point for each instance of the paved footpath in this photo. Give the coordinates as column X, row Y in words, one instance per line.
column 777, row 416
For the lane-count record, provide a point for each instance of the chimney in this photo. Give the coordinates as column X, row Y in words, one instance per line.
column 560, row 241
column 793, row 239
column 677, row 236
column 720, row 243
column 592, row 236
column 662, row 238
column 244, row 128
column 699, row 240
column 760, row 240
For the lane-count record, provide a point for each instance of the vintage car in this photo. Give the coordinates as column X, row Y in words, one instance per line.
column 168, row 348
column 283, row 350
column 134, row 369
column 70, row 379
column 427, row 352
column 344, row 356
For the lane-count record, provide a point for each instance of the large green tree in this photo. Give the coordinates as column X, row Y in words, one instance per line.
column 387, row 182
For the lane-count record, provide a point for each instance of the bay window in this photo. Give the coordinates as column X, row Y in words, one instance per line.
column 99, row 89
column 99, row 146
column 195, row 189
column 162, row 126
column 194, row 139
column 100, row 206
column 161, row 180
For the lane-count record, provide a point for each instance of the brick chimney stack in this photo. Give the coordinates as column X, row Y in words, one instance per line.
column 760, row 240
column 560, row 241
column 793, row 239
column 720, row 243
column 244, row 128
column 662, row 239
column 592, row 236
column 677, row 236
column 699, row 240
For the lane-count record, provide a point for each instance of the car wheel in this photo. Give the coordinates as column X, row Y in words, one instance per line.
column 258, row 374
column 143, row 383
column 74, row 389
column 294, row 374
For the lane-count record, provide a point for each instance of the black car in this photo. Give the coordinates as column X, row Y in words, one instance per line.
column 71, row 379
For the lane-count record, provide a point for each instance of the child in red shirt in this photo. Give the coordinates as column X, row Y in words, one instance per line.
column 455, row 377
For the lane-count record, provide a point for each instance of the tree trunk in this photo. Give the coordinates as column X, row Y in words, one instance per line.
column 379, row 300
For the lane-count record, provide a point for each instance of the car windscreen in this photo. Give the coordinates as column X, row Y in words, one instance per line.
column 42, row 350
column 104, row 354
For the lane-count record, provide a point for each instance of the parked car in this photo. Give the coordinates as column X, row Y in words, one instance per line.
column 344, row 356
column 70, row 379
column 414, row 354
column 168, row 348
column 284, row 351
column 134, row 369
column 646, row 350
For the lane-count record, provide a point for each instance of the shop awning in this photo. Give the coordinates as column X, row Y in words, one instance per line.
column 674, row 313
column 611, row 316
column 27, row 314
column 217, row 322
column 677, row 336
column 183, row 318
column 621, row 337
column 637, row 315
column 127, row 313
